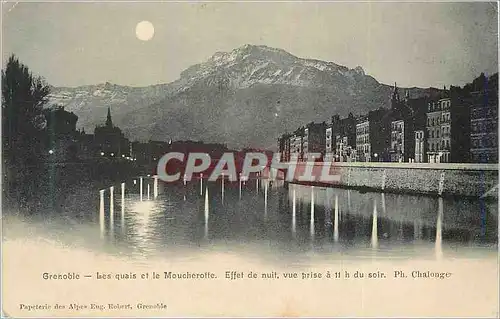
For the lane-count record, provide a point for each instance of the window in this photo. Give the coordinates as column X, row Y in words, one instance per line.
column 437, row 133
column 432, row 133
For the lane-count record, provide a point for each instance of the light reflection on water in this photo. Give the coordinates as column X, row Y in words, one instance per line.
column 269, row 220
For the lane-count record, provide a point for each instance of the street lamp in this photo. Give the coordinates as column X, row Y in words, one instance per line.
column 102, row 153
column 112, row 154
column 51, row 152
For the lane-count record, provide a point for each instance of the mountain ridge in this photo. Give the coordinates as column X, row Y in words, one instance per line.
column 226, row 97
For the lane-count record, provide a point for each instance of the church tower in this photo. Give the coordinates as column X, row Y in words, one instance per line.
column 395, row 99
column 395, row 94
column 109, row 122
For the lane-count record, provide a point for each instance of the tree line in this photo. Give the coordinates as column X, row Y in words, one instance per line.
column 24, row 96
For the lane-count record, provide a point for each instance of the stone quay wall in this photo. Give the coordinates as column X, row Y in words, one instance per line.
column 457, row 179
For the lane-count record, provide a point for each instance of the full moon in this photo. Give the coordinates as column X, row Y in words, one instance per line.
column 144, row 30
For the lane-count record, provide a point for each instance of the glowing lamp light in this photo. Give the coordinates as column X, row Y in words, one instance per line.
column 112, row 154
column 51, row 152
column 102, row 153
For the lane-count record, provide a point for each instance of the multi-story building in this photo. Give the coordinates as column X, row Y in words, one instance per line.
column 484, row 126
column 448, row 129
column 344, row 152
column 408, row 117
column 330, row 135
column 297, row 144
column 420, row 149
column 363, row 146
column 373, row 136
column 314, row 139
column 341, row 138
column 417, row 135
column 329, row 141
column 398, row 141
column 433, row 132
column 284, row 147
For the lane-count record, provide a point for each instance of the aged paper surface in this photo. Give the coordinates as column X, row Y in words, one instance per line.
column 223, row 159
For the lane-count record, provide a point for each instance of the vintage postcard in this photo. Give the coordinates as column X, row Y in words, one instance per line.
column 249, row 159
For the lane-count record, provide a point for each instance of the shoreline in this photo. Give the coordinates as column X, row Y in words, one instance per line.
column 455, row 180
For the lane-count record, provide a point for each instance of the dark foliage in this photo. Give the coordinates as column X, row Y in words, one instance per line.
column 23, row 98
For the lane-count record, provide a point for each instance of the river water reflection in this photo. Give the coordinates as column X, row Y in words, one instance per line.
column 268, row 221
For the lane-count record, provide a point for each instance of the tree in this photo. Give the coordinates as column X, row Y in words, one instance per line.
column 23, row 98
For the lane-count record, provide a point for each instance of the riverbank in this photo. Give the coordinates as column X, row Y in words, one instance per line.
column 437, row 179
column 51, row 184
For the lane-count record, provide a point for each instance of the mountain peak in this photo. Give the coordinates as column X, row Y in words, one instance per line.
column 254, row 48
column 359, row 70
column 260, row 64
column 253, row 51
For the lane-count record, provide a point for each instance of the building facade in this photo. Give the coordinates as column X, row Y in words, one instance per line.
column 341, row 138
column 363, row 146
column 329, row 141
column 398, row 141
column 420, row 149
column 433, row 132
column 314, row 139
column 408, row 117
column 284, row 147
column 484, row 127
column 448, row 129
column 297, row 144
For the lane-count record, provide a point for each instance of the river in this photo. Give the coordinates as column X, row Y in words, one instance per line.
column 266, row 220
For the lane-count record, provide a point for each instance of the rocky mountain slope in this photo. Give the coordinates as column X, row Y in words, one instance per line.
column 246, row 97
